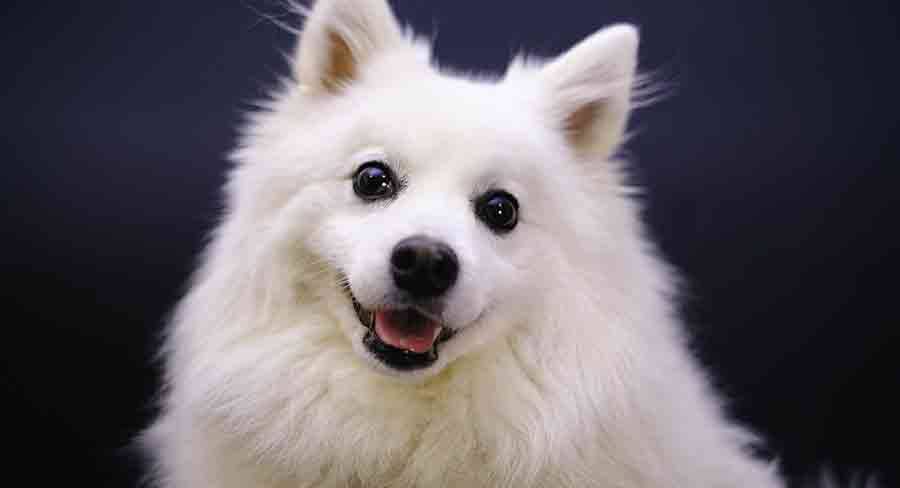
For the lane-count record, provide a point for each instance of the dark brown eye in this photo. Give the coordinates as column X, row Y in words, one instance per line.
column 499, row 210
column 374, row 181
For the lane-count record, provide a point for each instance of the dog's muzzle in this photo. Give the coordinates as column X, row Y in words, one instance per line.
column 406, row 335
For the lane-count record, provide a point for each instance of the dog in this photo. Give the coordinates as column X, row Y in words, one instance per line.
column 424, row 279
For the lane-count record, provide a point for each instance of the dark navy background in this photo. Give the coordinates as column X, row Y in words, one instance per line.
column 771, row 173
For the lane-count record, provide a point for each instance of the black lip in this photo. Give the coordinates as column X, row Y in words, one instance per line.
column 398, row 359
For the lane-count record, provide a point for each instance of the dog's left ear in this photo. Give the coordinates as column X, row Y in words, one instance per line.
column 339, row 37
column 588, row 89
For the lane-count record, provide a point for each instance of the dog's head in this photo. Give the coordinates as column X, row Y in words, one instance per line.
column 426, row 211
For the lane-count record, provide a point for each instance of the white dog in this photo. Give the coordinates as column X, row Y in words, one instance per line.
column 428, row 280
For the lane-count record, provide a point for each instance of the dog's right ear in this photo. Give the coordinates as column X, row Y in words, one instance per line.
column 338, row 38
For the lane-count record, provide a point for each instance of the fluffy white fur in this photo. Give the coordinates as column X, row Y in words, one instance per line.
column 569, row 368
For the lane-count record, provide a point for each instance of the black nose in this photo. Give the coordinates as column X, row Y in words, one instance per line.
column 424, row 267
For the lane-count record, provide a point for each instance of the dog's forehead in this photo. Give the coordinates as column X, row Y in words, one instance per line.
column 442, row 121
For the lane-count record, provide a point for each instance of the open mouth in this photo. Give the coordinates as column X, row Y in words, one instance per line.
column 404, row 339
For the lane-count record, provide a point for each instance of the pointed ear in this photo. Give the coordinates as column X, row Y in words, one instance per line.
column 339, row 37
column 588, row 89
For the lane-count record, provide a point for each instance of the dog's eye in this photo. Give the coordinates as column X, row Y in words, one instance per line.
column 374, row 181
column 499, row 210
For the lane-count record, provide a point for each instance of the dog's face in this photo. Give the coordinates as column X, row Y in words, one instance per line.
column 423, row 209
column 431, row 224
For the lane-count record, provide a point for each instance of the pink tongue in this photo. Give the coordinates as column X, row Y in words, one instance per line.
column 406, row 330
